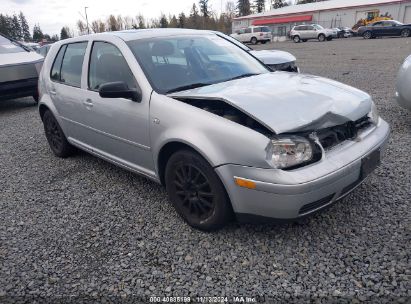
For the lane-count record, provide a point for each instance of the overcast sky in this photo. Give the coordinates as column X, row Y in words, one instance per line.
column 52, row 15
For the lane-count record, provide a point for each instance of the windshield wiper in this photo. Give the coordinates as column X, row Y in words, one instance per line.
column 188, row 87
column 243, row 76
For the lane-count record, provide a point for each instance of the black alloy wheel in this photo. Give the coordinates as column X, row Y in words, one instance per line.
column 196, row 191
column 367, row 35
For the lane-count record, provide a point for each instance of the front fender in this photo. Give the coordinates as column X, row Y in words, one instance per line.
column 219, row 140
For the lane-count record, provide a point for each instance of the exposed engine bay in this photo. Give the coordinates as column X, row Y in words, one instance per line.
column 223, row 109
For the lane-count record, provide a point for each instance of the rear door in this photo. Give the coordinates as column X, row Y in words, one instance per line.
column 311, row 33
column 65, row 88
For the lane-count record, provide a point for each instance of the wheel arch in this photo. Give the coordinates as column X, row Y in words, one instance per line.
column 168, row 149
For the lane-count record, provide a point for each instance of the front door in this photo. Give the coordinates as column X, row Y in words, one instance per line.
column 117, row 128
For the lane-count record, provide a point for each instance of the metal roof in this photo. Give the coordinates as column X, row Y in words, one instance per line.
column 320, row 6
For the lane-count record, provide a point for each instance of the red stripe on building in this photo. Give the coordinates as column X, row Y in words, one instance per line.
column 300, row 18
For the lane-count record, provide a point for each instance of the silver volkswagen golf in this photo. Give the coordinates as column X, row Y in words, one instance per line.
column 200, row 115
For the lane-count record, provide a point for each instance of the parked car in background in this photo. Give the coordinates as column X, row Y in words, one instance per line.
column 276, row 60
column 253, row 143
column 19, row 69
column 33, row 46
column 385, row 28
column 253, row 34
column 312, row 31
column 403, row 93
column 44, row 50
column 343, row 32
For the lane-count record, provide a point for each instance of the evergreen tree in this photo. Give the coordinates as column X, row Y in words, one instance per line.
column 204, row 8
column 278, row 3
column 243, row 7
column 163, row 21
column 25, row 30
column 37, row 33
column 194, row 18
column 182, row 20
column 55, row 38
column 259, row 5
column 64, row 33
column 173, row 22
column 16, row 28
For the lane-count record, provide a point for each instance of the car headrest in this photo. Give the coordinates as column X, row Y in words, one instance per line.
column 162, row 49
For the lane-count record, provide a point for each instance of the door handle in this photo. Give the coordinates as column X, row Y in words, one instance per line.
column 52, row 92
column 88, row 102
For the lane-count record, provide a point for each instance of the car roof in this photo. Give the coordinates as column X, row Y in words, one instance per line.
column 128, row 35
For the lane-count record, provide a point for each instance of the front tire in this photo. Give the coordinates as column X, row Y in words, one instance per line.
column 296, row 39
column 405, row 33
column 321, row 37
column 367, row 35
column 196, row 191
column 57, row 140
column 254, row 40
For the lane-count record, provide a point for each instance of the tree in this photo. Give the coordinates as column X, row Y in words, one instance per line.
column 65, row 33
column 55, row 38
column 204, row 8
column 173, row 22
column 163, row 21
column 25, row 29
column 141, row 21
column 182, row 20
column 16, row 29
column 259, row 5
column 82, row 27
column 278, row 3
column 194, row 18
column 37, row 33
column 243, row 7
column 112, row 23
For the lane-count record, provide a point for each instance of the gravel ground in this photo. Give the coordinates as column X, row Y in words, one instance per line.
column 81, row 229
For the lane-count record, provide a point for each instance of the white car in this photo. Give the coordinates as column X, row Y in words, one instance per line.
column 403, row 93
column 276, row 60
column 253, row 34
column 311, row 31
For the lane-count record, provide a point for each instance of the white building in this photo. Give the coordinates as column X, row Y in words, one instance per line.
column 332, row 13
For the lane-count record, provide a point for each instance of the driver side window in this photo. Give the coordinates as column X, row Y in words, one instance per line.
column 107, row 64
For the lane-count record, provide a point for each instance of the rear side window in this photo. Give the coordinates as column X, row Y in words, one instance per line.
column 265, row 29
column 73, row 63
column 247, row 31
column 55, row 70
column 257, row 29
column 107, row 64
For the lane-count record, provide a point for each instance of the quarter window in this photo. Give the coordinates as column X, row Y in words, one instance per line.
column 73, row 63
column 55, row 70
column 107, row 64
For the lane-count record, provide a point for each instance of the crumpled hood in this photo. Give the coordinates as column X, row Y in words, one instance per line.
column 289, row 102
column 273, row 56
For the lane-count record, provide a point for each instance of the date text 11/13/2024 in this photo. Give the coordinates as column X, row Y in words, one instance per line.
column 198, row 299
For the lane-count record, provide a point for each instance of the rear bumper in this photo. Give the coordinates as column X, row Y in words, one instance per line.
column 297, row 193
column 18, row 88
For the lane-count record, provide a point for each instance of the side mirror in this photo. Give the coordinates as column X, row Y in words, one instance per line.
column 119, row 89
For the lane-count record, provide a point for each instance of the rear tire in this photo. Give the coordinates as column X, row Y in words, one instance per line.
column 57, row 140
column 367, row 35
column 296, row 39
column 321, row 37
column 405, row 33
column 196, row 191
column 254, row 40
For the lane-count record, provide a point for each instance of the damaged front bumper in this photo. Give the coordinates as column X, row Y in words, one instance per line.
column 281, row 194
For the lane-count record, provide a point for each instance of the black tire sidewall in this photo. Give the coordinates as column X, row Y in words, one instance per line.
column 404, row 31
column 222, row 210
column 66, row 149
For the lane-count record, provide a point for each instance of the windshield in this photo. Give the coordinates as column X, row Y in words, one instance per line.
column 181, row 62
column 8, row 46
column 318, row 27
column 397, row 22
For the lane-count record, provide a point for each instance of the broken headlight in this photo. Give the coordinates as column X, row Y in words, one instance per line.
column 289, row 151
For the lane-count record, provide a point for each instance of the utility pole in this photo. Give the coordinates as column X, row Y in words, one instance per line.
column 85, row 11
